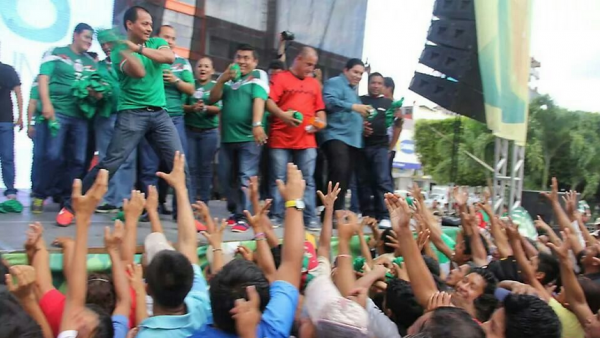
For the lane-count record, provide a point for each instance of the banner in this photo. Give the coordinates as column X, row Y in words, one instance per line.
column 503, row 35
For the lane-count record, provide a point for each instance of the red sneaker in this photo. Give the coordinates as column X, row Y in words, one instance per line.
column 240, row 226
column 64, row 218
column 231, row 221
column 200, row 227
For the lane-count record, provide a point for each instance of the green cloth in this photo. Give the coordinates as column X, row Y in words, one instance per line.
column 389, row 114
column 109, row 103
column 109, row 35
column 238, row 98
column 182, row 69
column 11, row 206
column 64, row 67
column 53, row 125
column 87, row 103
column 148, row 91
column 120, row 216
column 359, row 263
column 201, row 119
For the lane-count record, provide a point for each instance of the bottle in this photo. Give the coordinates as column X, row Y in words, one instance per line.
column 314, row 123
column 238, row 72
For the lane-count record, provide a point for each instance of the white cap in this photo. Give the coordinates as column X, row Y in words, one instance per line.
column 154, row 243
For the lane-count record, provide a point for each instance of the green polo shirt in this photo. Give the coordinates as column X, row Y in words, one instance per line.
column 238, row 98
column 64, row 67
column 109, row 74
column 148, row 91
column 202, row 119
column 175, row 99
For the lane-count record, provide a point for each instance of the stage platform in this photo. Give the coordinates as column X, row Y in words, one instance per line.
column 13, row 226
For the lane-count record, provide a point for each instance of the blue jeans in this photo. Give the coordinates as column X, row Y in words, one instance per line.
column 374, row 180
column 202, row 147
column 121, row 184
column 237, row 163
column 7, row 156
column 306, row 160
column 63, row 159
column 131, row 127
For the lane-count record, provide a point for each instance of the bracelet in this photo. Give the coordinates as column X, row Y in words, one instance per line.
column 344, row 255
column 140, row 49
column 259, row 235
column 204, row 108
column 217, row 249
column 257, row 124
column 260, row 239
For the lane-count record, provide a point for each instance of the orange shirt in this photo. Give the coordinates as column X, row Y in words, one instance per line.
column 292, row 93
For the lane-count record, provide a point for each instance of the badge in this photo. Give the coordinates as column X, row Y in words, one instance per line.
column 198, row 94
column 78, row 66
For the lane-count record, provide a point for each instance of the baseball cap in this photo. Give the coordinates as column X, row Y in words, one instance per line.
column 333, row 315
column 154, row 243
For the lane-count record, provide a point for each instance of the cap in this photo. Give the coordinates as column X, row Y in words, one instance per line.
column 597, row 222
column 154, row 243
column 108, row 35
column 332, row 314
column 596, row 233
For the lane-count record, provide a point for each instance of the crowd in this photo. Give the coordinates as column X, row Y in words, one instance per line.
column 410, row 280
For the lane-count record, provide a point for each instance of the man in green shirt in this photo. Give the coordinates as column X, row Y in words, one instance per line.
column 120, row 186
column 202, row 122
column 60, row 70
column 243, row 90
column 141, row 107
column 179, row 82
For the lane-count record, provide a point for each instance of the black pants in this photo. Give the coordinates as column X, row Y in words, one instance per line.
column 341, row 163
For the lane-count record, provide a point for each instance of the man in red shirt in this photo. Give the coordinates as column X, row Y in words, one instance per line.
column 291, row 138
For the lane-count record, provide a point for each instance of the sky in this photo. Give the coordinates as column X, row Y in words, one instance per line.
column 564, row 38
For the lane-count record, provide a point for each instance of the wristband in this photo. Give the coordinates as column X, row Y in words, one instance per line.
column 204, row 108
column 344, row 255
column 259, row 235
column 260, row 239
column 140, row 49
column 217, row 249
column 256, row 124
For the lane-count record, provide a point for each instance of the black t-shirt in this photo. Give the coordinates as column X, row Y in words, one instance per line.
column 8, row 81
column 378, row 123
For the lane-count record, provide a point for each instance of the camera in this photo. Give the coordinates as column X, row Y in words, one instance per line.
column 287, row 36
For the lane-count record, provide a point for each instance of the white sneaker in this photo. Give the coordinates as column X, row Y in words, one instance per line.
column 385, row 224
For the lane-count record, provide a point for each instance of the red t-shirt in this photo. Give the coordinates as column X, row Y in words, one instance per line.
column 292, row 93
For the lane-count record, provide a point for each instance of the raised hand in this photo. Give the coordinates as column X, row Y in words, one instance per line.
column 247, row 313
column 512, row 232
column 255, row 220
column 423, row 239
column 332, row 194
column 113, row 240
column 294, row 188
column 135, row 274
column 540, row 224
column 34, row 234
column 439, row 299
column 246, row 253
column 85, row 205
column 460, row 196
column 215, row 238
column 176, row 178
column 399, row 211
column 347, row 224
column 562, row 251
column 552, row 196
column 134, row 207
column 201, row 210
column 25, row 276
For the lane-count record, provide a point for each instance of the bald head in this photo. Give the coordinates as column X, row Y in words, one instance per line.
column 305, row 63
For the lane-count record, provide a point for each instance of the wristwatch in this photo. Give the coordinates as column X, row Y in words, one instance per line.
column 298, row 204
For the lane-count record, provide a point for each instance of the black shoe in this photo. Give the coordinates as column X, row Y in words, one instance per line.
column 57, row 199
column 107, row 209
column 162, row 209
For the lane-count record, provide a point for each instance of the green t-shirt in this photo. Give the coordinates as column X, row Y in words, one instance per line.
column 148, row 91
column 34, row 94
column 238, row 97
column 63, row 67
column 108, row 74
column 201, row 119
column 175, row 99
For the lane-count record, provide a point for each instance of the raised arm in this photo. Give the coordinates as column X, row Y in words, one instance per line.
column 130, row 65
column 112, row 243
column 293, row 238
column 186, row 229
column 152, row 210
column 364, row 247
column 163, row 54
column 253, row 194
column 435, row 231
column 413, row 260
column 552, row 236
column 215, row 239
column 477, row 248
column 136, row 280
column 23, row 290
column 84, row 207
column 561, row 216
column 499, row 236
column 39, row 258
column 573, row 291
column 328, row 200
column 345, row 278
column 133, row 209
column 264, row 256
column 216, row 93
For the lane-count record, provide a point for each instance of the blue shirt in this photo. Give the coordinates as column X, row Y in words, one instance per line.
column 198, row 313
column 277, row 319
column 120, row 325
column 343, row 123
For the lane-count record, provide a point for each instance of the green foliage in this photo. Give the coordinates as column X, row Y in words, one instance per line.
column 560, row 143
column 434, row 150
